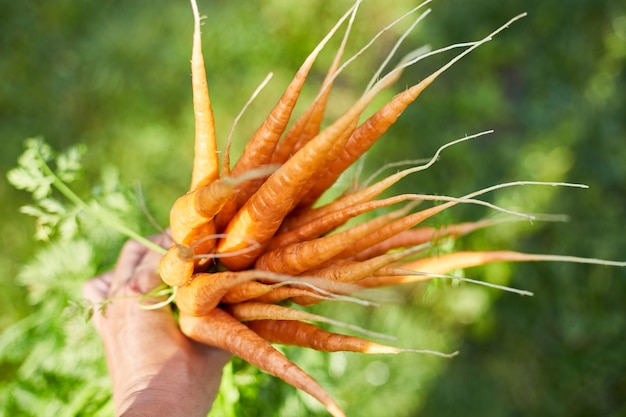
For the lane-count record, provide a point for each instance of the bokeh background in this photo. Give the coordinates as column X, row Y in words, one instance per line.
column 115, row 76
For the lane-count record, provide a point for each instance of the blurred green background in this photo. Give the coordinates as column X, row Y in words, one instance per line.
column 115, row 76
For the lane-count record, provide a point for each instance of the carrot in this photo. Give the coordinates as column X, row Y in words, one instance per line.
column 205, row 291
column 177, row 265
column 299, row 257
column 191, row 213
column 271, row 293
column 341, row 273
column 392, row 229
column 205, row 163
column 368, row 193
column 192, row 225
column 285, row 293
column 324, row 224
column 414, row 219
column 252, row 310
column 289, row 332
column 351, row 272
column 221, row 330
column 246, row 291
column 260, row 148
column 262, row 214
column 430, row 267
column 364, row 137
column 421, row 235
column 308, row 124
column 382, row 120
column 466, row 259
column 230, row 208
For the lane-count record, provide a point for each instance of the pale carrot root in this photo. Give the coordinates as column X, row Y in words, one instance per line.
column 221, row 330
column 206, row 164
column 445, row 263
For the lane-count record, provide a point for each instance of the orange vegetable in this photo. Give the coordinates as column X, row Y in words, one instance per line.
column 221, row 330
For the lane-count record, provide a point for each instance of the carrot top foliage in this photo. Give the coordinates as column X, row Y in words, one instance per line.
column 202, row 246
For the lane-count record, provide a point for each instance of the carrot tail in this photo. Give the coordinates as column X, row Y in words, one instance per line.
column 221, row 330
column 296, row 333
column 308, row 124
column 419, row 236
column 205, row 164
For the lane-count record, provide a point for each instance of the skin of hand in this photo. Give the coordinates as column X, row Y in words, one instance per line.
column 154, row 368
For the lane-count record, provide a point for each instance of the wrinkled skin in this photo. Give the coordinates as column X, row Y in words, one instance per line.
column 154, row 368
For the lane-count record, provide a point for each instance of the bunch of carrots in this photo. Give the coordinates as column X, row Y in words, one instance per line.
column 250, row 240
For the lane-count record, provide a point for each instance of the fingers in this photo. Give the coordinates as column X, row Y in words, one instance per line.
column 136, row 269
column 96, row 291
column 134, row 274
column 130, row 257
column 146, row 276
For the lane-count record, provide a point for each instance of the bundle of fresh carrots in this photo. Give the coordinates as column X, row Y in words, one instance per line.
column 249, row 240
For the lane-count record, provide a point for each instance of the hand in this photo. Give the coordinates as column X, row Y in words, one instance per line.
column 154, row 368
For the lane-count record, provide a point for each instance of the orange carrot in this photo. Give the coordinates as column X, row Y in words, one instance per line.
column 260, row 148
column 414, row 219
column 221, row 330
column 177, row 265
column 289, row 332
column 364, row 137
column 351, row 272
column 263, row 213
column 442, row 264
column 467, row 259
column 420, row 235
column 191, row 212
column 340, row 275
column 246, row 291
column 324, row 224
column 299, row 257
column 369, row 132
column 205, row 164
column 191, row 224
column 285, row 293
column 205, row 291
column 364, row 195
column 308, row 124
column 250, row 311
column 392, row 229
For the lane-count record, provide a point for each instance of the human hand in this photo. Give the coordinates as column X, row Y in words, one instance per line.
column 154, row 368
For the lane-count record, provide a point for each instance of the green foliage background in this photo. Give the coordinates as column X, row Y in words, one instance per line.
column 114, row 76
